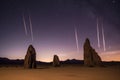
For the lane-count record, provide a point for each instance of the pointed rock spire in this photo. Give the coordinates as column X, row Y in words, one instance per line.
column 91, row 57
column 30, row 58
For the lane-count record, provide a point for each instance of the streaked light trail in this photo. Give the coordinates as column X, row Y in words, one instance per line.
column 76, row 38
column 31, row 29
column 24, row 24
column 98, row 34
column 104, row 46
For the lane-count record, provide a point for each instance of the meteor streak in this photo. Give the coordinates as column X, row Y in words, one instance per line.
column 76, row 38
column 98, row 34
column 31, row 30
column 104, row 46
column 24, row 24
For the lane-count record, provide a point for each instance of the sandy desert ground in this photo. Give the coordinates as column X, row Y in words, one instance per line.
column 61, row 73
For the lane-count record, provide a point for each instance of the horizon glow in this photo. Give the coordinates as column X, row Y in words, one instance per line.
column 50, row 28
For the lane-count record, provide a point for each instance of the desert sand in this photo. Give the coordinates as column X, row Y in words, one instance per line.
column 61, row 73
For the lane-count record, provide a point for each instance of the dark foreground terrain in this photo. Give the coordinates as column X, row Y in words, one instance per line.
column 66, row 72
column 69, row 70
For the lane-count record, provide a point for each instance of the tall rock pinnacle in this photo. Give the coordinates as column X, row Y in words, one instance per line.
column 30, row 58
column 91, row 57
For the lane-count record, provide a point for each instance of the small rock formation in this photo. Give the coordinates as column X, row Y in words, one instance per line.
column 56, row 62
column 30, row 58
column 91, row 57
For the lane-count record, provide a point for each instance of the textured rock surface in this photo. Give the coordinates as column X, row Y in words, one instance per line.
column 56, row 62
column 91, row 57
column 30, row 58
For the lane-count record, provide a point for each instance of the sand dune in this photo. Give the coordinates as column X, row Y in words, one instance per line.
column 61, row 73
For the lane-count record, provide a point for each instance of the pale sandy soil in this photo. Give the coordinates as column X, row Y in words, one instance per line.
column 62, row 73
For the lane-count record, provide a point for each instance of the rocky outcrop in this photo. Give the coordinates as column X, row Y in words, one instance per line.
column 30, row 58
column 91, row 57
column 56, row 62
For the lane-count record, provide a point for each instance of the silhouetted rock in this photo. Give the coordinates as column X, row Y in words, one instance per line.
column 56, row 62
column 91, row 57
column 30, row 58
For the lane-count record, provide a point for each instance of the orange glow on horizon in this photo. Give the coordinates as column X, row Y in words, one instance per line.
column 110, row 56
column 47, row 56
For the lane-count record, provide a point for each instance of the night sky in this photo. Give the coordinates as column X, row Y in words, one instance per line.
column 53, row 26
